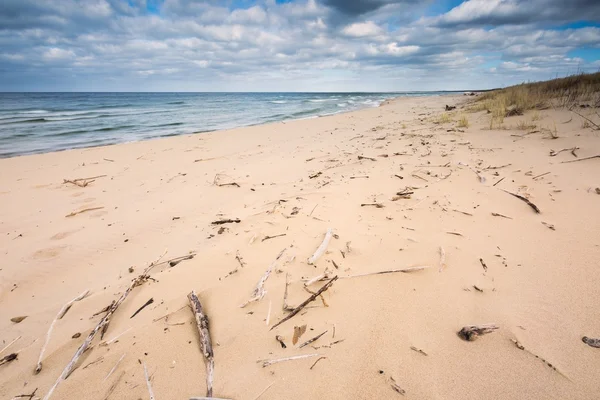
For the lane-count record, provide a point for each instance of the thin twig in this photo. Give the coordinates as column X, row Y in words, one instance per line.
column 84, row 210
column 115, row 367
column 205, row 341
column 311, row 340
column 266, row 363
column 581, row 159
column 148, row 382
column 405, row 270
column 529, row 203
column 318, row 359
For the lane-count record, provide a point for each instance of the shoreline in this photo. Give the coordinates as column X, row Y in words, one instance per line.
column 289, row 182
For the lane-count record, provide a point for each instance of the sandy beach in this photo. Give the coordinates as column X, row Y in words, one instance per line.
column 401, row 186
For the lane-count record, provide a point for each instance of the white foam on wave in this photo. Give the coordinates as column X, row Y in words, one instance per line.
column 278, row 101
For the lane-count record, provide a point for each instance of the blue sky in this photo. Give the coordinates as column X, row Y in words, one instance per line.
column 292, row 45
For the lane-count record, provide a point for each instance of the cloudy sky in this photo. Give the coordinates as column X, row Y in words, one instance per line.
column 292, row 45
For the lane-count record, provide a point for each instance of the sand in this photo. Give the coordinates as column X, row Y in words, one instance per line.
column 541, row 286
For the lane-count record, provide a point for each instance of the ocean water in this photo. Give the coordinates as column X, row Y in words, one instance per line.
column 42, row 122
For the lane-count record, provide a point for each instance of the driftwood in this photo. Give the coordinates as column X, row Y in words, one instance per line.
column 483, row 264
column 309, row 341
column 266, row 363
column 499, row 181
column 391, row 271
column 115, row 367
column 273, row 237
column 529, row 203
column 146, row 304
column 148, row 382
column 313, row 176
column 323, row 276
column 305, row 302
column 205, row 342
column 366, row 158
column 540, row 175
column 298, row 332
column 500, row 215
column 472, row 332
column 114, row 385
column 8, row 358
column 581, row 159
column 591, row 342
column 259, row 291
column 572, row 150
column 322, row 248
column 376, row 205
column 318, row 359
column 102, row 325
column 22, row 396
column 418, row 350
column 61, row 313
column 281, row 342
column 395, row 386
column 521, row 347
column 10, row 344
column 226, row 221
column 77, row 183
column 285, row 306
column 84, row 210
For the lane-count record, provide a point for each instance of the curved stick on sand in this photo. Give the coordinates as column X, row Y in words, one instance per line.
column 266, row 363
column 321, row 248
column 60, row 314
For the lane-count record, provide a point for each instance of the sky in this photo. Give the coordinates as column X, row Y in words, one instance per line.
column 293, row 45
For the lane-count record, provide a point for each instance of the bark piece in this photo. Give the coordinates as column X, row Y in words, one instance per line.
column 472, row 332
column 322, row 248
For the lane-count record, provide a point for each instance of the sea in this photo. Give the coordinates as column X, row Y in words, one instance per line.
column 42, row 122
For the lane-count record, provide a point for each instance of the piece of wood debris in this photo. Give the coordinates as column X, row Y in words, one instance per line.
column 174, row 261
column 266, row 363
column 454, row 233
column 540, row 175
column 81, row 184
column 472, row 332
column 268, row 319
column 83, row 211
column 521, row 347
column 549, row 226
column 498, row 167
column 112, row 387
column 529, row 203
column 366, row 158
column 8, row 358
column 483, row 264
column 285, row 306
column 404, row 270
column 442, row 259
column 146, row 304
column 259, row 291
column 205, row 341
column 322, row 247
column 226, row 221
column 298, row 332
column 572, row 150
column 60, row 315
column 591, row 342
column 313, row 176
column 315, row 363
column 312, row 340
column 418, row 350
column 10, row 344
column 19, row 319
column 273, row 237
column 581, row 159
column 305, row 302
column 498, row 181
column 500, row 215
column 115, row 367
column 360, row 176
column 477, row 288
column 320, row 277
column 22, row 396
column 462, row 212
column 396, row 387
column 148, row 382
column 376, row 205
column 281, row 342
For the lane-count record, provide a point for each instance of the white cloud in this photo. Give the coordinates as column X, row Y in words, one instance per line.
column 56, row 53
column 362, row 29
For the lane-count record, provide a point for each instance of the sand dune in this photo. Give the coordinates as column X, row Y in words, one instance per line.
column 491, row 259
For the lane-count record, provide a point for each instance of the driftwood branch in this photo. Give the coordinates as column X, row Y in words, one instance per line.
column 8, row 358
column 146, row 304
column 305, row 302
column 226, row 221
column 472, row 332
column 581, row 159
column 148, row 382
column 84, row 210
column 322, row 248
column 102, row 326
column 391, row 271
column 309, row 341
column 526, row 200
column 266, row 363
column 259, row 291
column 205, row 342
column 61, row 313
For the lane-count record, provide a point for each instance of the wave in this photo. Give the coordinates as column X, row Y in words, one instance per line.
column 24, row 121
column 177, row 102
column 317, row 100
column 342, row 104
column 278, row 101
column 170, row 124
column 34, row 112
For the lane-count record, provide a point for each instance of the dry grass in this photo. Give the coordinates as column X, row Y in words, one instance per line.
column 526, row 126
column 444, row 119
column 463, row 122
column 566, row 92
